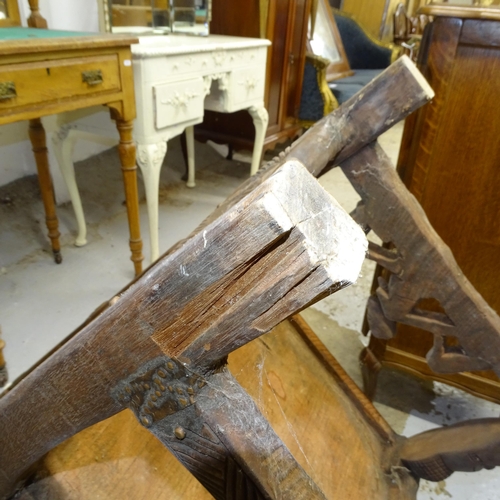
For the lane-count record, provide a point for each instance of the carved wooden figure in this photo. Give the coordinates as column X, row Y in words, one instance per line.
column 421, row 267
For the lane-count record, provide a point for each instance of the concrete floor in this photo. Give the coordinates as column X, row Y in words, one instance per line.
column 40, row 303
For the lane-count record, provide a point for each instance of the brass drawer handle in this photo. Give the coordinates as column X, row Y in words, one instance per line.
column 93, row 77
column 7, row 90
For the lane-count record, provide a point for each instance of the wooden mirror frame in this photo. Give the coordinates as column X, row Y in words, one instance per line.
column 13, row 18
column 339, row 68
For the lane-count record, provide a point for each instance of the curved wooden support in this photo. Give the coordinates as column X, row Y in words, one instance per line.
column 467, row 446
column 423, row 267
column 39, row 145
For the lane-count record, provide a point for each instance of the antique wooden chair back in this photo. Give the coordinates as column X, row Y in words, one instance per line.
column 160, row 346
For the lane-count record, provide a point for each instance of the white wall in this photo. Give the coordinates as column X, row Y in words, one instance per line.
column 15, row 149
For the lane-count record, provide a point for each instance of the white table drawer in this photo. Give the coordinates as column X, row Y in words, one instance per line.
column 178, row 102
column 247, row 84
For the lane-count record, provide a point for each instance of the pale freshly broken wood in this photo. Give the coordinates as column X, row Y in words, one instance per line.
column 421, row 267
column 263, row 260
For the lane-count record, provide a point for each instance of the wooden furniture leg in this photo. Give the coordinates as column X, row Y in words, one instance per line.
column 150, row 159
column 260, row 119
column 36, row 20
column 126, row 150
column 189, row 134
column 38, row 142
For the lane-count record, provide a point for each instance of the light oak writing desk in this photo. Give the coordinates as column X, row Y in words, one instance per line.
column 45, row 72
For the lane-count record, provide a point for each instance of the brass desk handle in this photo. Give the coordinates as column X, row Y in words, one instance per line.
column 7, row 90
column 93, row 77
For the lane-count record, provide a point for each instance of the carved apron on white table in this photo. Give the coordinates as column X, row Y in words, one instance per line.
column 176, row 79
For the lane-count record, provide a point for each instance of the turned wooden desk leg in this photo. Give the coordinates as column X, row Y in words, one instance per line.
column 38, row 142
column 36, row 20
column 126, row 150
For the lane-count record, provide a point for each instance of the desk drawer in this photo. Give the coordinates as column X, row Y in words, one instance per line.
column 45, row 81
column 248, row 84
column 178, row 102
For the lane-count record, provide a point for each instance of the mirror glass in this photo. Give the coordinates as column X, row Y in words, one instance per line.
column 159, row 16
column 4, row 11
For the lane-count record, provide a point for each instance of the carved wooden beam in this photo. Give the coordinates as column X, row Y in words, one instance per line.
column 422, row 267
column 36, row 19
column 127, row 334
column 160, row 346
column 467, row 446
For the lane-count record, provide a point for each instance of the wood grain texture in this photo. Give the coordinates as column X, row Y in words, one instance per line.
column 422, row 267
column 70, row 43
column 70, row 396
column 461, row 11
column 467, row 446
column 118, row 459
column 444, row 140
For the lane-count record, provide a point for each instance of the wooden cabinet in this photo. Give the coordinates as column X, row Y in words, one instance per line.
column 450, row 160
column 284, row 22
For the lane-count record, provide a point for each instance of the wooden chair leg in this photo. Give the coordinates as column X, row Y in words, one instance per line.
column 39, row 145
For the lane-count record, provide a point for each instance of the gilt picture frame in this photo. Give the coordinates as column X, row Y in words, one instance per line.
column 9, row 13
column 324, row 40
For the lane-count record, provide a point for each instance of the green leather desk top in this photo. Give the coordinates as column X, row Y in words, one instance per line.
column 20, row 33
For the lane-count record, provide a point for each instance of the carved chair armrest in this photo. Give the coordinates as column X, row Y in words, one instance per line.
column 317, row 100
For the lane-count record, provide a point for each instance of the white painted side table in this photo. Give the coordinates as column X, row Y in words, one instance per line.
column 176, row 78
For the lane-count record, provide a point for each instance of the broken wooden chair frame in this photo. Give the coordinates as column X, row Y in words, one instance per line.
column 160, row 346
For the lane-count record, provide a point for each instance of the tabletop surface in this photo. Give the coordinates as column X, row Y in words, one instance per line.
column 158, row 45
column 20, row 33
column 20, row 40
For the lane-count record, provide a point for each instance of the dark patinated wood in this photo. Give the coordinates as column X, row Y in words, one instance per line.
column 80, row 390
column 307, row 398
column 263, row 260
column 449, row 160
column 421, row 267
column 467, row 446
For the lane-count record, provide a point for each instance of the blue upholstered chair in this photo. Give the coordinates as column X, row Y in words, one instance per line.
column 366, row 55
column 317, row 100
